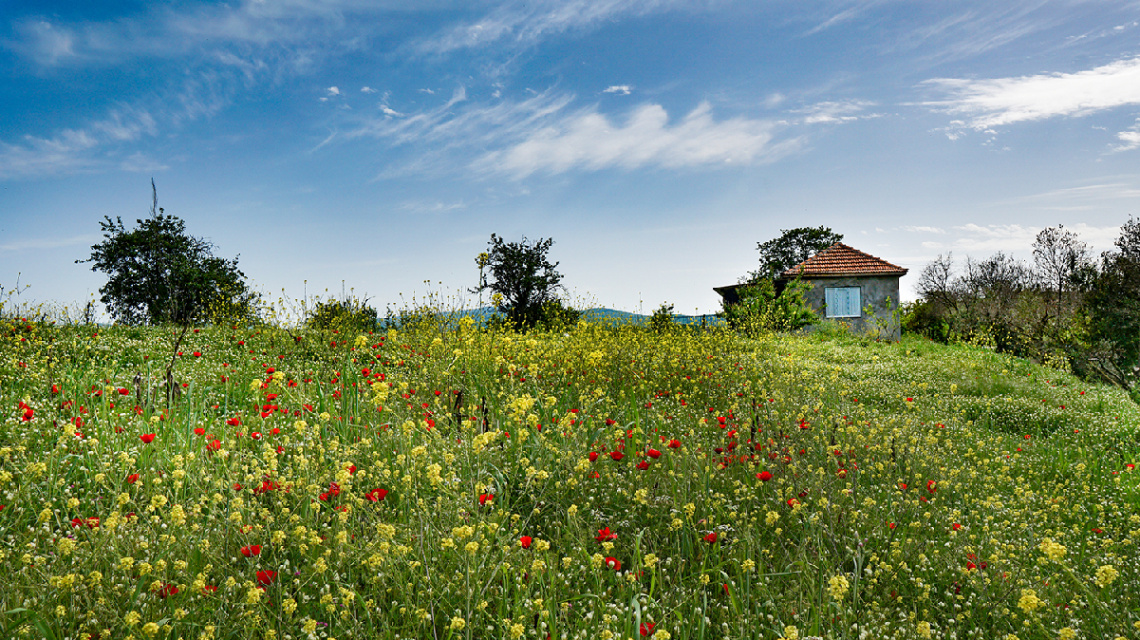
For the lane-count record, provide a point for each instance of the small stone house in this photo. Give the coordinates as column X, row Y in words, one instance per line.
column 846, row 284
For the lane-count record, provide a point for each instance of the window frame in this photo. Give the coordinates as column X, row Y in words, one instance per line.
column 829, row 297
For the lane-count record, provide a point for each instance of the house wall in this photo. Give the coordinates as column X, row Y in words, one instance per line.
column 881, row 293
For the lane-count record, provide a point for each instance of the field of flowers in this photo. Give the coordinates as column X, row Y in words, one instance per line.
column 606, row 482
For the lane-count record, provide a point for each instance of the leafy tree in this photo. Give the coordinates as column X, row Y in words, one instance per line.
column 523, row 280
column 1113, row 308
column 791, row 248
column 157, row 273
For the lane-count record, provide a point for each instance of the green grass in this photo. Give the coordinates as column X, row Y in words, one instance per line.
column 915, row 489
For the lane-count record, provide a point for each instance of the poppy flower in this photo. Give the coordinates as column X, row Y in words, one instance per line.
column 90, row 523
column 613, row 563
column 252, row 550
column 147, row 438
column 891, row 525
column 931, row 486
column 133, row 478
column 653, row 453
column 674, row 444
column 256, row 435
column 764, row 476
column 484, row 498
column 525, row 542
column 234, row 421
column 266, row 577
column 593, row 456
column 199, row 431
column 124, row 391
column 266, row 487
column 167, row 590
column 710, row 538
column 646, row 629
column 617, row 455
column 376, row 495
column 214, row 445
column 643, row 465
column 956, row 526
column 605, row 535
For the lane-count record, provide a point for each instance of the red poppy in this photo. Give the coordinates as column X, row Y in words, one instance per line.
column 351, row 468
column 199, row 431
column 674, row 444
column 605, row 535
column 197, row 354
column 90, row 523
column 646, row 629
column 54, row 389
column 653, row 453
column 252, row 550
column 484, row 498
column 147, row 438
column 124, row 392
column 133, row 478
column 956, row 526
column 214, row 445
column 643, row 465
column 266, row 487
column 525, row 542
column 167, row 590
column 256, row 435
column 234, row 421
column 593, row 456
column 931, row 486
column 376, row 495
column 266, row 577
column 617, row 455
column 764, row 476
column 891, row 525
column 613, row 563
column 710, row 538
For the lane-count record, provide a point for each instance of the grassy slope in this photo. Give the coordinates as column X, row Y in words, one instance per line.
column 932, row 480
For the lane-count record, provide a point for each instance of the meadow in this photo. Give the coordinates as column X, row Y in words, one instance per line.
column 603, row 482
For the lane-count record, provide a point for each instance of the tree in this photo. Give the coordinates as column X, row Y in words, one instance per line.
column 522, row 282
column 158, row 274
column 1113, row 308
column 791, row 248
column 1061, row 258
column 761, row 310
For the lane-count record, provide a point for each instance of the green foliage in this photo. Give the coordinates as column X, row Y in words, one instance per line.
column 761, row 310
column 156, row 273
column 791, row 248
column 662, row 320
column 922, row 318
column 523, row 280
column 345, row 315
column 1113, row 310
column 557, row 317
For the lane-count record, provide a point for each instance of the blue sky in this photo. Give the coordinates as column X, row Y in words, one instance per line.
column 373, row 147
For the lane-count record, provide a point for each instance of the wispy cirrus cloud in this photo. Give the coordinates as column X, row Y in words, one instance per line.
column 985, row 104
column 1129, row 138
column 525, row 23
column 545, row 134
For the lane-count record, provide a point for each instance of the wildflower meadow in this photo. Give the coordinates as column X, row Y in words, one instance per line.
column 444, row 480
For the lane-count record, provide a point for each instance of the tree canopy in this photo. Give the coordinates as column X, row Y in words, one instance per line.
column 523, row 280
column 157, row 273
column 791, row 248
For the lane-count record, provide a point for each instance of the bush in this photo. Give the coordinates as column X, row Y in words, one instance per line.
column 342, row 315
column 762, row 310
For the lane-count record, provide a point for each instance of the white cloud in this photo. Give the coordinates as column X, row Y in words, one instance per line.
column 527, row 23
column 367, row 90
column 913, row 229
column 139, row 162
column 831, row 112
column 623, row 89
column 589, row 141
column 981, row 240
column 1130, row 138
column 333, row 91
column 389, row 111
column 992, row 103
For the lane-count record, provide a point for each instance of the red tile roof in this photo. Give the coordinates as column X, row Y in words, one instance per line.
column 841, row 260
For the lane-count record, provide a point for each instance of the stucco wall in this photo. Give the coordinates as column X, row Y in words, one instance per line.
column 881, row 293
